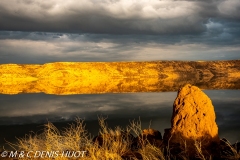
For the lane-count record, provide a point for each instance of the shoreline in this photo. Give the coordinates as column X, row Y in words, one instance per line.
column 65, row 78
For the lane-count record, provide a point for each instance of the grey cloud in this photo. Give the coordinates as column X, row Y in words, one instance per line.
column 230, row 9
column 218, row 32
column 113, row 17
column 64, row 49
column 40, row 32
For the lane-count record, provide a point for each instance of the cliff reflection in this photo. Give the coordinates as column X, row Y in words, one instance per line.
column 63, row 78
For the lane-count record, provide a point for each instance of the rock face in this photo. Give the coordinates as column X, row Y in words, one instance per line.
column 64, row 78
column 193, row 118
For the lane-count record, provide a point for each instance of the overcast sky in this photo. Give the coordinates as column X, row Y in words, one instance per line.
column 36, row 31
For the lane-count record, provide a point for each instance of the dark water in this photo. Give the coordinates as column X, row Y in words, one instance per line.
column 22, row 113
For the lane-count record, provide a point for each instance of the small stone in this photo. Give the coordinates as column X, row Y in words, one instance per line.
column 152, row 133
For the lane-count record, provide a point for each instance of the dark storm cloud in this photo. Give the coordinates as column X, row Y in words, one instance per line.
column 100, row 16
column 49, row 31
column 50, row 47
column 115, row 17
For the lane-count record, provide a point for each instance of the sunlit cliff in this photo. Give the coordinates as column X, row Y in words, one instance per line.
column 115, row 77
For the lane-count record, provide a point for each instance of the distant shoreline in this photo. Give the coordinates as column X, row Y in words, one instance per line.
column 121, row 61
column 63, row 78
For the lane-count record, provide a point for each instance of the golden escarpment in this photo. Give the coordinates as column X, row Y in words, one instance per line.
column 114, row 77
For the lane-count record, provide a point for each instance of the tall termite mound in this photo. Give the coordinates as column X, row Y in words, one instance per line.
column 193, row 118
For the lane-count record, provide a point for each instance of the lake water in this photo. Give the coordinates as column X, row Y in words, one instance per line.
column 22, row 113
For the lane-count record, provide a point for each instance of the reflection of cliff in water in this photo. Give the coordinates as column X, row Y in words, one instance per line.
column 118, row 77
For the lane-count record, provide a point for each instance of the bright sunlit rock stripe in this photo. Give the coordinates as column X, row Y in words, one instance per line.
column 116, row 77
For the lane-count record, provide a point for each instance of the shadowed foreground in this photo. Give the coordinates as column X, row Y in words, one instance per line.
column 193, row 135
column 115, row 144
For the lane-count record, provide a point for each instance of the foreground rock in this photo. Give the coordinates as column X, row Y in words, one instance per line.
column 193, row 119
column 193, row 133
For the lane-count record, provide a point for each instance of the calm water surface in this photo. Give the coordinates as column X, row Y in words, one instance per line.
column 22, row 113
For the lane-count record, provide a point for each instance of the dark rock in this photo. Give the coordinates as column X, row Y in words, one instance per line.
column 151, row 136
